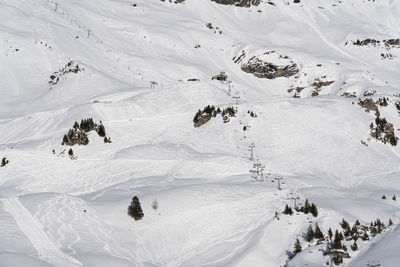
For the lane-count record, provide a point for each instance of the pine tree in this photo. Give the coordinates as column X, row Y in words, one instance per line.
column 394, row 197
column 310, row 234
column 330, row 234
column 379, row 225
column 365, row 237
column 65, row 139
column 318, row 233
column 297, row 247
column 4, row 162
column 354, row 231
column 390, row 222
column 288, row 210
column 383, row 197
column 307, row 206
column 346, row 227
column 337, row 244
column 354, row 247
column 102, row 131
column 197, row 116
column 71, row 153
column 314, row 210
column 327, row 249
column 135, row 209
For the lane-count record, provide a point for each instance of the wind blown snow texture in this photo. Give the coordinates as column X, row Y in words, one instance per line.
column 61, row 212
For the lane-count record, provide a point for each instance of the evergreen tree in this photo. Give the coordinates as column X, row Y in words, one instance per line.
column 135, row 209
column 327, row 249
column 288, row 210
column 318, row 233
column 307, row 206
column 102, row 131
column 314, row 210
column 383, row 197
column 337, row 244
column 379, row 225
column 365, row 237
column 354, row 247
column 390, row 222
column 330, row 234
column 310, row 234
column 197, row 116
column 4, row 162
column 346, row 227
column 70, row 152
column 354, row 231
column 76, row 125
column 394, row 197
column 65, row 139
column 297, row 247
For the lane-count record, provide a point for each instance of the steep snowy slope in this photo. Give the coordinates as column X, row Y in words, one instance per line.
column 129, row 65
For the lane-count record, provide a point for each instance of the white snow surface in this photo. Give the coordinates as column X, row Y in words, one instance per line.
column 60, row 212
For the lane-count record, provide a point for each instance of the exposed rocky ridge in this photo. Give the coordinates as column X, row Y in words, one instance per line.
column 263, row 69
column 388, row 43
column 240, row 3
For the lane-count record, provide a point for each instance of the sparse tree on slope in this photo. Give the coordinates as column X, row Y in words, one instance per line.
column 135, row 209
column 297, row 248
column 318, row 233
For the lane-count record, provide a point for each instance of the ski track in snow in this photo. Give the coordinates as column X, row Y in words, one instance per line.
column 67, row 208
column 32, row 228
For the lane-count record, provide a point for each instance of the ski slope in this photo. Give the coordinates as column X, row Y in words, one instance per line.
column 61, row 212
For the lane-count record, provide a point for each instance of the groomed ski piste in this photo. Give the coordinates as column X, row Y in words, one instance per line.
column 136, row 59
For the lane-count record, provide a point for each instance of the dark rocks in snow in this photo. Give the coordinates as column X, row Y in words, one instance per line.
column 239, row 3
column 383, row 131
column 262, row 69
column 388, row 43
column 318, row 84
column 220, row 77
column 70, row 67
column 392, row 43
column 368, row 104
column 238, row 59
column 366, row 42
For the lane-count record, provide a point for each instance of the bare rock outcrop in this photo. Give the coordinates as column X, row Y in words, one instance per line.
column 239, row 3
column 263, row 69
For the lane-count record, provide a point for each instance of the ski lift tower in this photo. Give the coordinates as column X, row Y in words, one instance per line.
column 279, row 182
column 237, row 98
column 251, row 149
column 262, row 168
column 257, row 166
column 229, row 87
column 294, row 198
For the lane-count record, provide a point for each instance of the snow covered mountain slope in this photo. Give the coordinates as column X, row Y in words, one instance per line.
column 143, row 68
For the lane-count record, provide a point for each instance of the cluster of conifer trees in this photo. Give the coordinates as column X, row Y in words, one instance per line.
column 78, row 133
